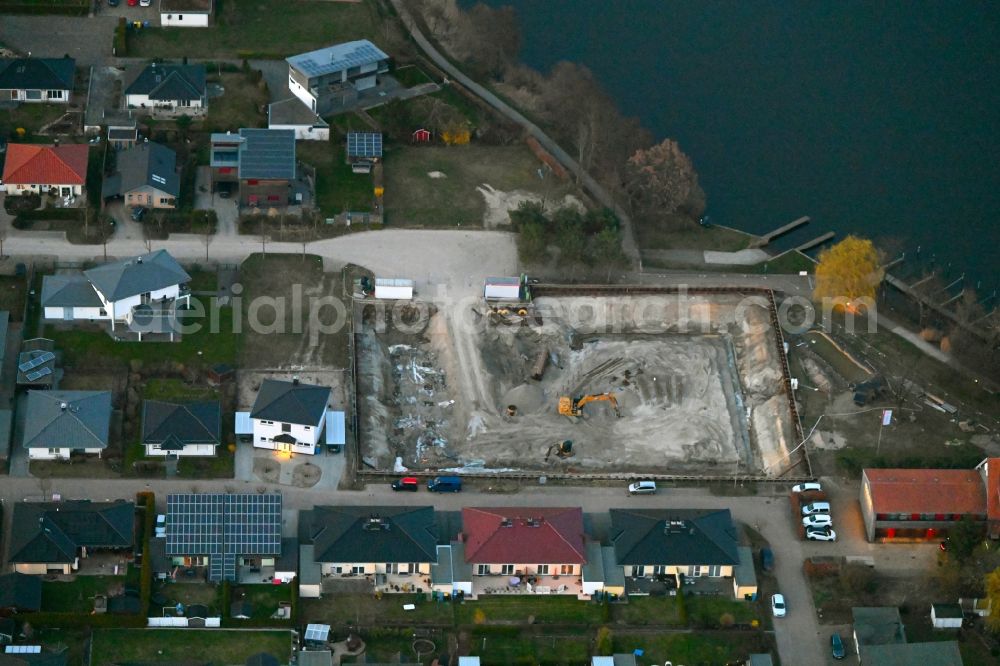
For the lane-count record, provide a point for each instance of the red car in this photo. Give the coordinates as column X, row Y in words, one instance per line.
column 133, row 3
column 410, row 483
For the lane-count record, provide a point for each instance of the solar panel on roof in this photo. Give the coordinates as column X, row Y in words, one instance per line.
column 38, row 374
column 364, row 144
column 47, row 356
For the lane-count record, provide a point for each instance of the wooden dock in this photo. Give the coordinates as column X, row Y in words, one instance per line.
column 815, row 241
column 780, row 231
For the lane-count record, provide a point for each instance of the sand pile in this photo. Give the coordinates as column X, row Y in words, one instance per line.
column 528, row 398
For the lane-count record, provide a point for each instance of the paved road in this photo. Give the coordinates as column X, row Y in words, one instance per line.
column 592, row 186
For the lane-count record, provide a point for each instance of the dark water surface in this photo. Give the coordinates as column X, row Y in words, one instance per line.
column 876, row 118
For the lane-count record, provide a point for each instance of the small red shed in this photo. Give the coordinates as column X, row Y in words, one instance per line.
column 422, row 136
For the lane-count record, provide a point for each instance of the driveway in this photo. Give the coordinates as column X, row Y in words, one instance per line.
column 226, row 210
column 86, row 39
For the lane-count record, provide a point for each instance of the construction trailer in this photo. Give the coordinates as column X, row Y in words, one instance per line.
column 397, row 289
column 507, row 289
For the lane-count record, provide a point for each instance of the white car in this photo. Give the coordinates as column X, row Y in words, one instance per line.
column 642, row 488
column 821, row 534
column 806, row 487
column 145, row 3
column 818, row 520
column 778, row 605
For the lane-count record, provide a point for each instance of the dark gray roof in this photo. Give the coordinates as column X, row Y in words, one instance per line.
column 673, row 536
column 20, row 591
column 6, row 419
column 337, row 58
column 175, row 425
column 37, row 73
column 144, row 165
column 293, row 112
column 69, row 290
column 52, row 532
column 139, row 275
column 169, row 82
column 67, row 419
column 372, row 533
column 290, row 402
column 937, row 653
column 878, row 625
column 267, row 154
column 744, row 574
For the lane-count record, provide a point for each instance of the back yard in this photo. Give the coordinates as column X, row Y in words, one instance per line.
column 436, row 186
column 338, row 189
column 170, row 646
column 262, row 29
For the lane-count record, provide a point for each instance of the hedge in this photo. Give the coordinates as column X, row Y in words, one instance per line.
column 148, row 500
column 85, row 620
column 52, row 214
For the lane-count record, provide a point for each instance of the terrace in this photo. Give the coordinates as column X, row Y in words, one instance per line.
column 530, row 585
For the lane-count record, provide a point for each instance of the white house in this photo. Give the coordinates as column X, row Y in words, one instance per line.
column 43, row 80
column 289, row 416
column 181, row 429
column 335, row 75
column 164, row 85
column 60, row 423
column 185, row 13
column 139, row 293
column 292, row 114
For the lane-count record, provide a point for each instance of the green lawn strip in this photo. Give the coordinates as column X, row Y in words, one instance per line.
column 12, row 292
column 201, row 347
column 263, row 599
column 463, row 104
column 30, row 117
column 338, row 189
column 365, row 609
column 76, row 596
column 787, row 263
column 239, row 106
column 544, row 610
column 153, row 646
column 262, row 28
column 835, row 358
column 640, row 611
column 680, row 233
column 707, row 611
column 411, row 76
column 202, row 280
column 691, row 648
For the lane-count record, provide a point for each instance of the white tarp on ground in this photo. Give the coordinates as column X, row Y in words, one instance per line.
column 394, row 288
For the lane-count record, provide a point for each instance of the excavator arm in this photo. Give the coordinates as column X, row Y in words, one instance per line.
column 573, row 407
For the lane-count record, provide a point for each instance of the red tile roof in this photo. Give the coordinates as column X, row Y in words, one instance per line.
column 993, row 488
column 927, row 491
column 505, row 535
column 32, row 164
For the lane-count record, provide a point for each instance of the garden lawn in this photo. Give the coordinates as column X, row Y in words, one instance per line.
column 76, row 596
column 688, row 648
column 239, row 106
column 262, row 29
column 263, row 599
column 648, row 611
column 545, row 610
column 366, row 610
column 12, row 292
column 161, row 646
column 338, row 189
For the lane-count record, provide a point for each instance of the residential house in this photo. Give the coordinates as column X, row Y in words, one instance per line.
column 289, row 416
column 58, row 424
column 652, row 544
column 185, row 13
column 233, row 537
column 260, row 161
column 292, row 114
column 48, row 80
column 919, row 503
column 334, row 76
column 179, row 88
column 145, row 175
column 36, row 364
column 394, row 547
column 20, row 593
column 364, row 150
column 53, row 537
column 181, row 429
column 31, row 168
column 125, row 292
column 989, row 472
column 528, row 549
column 880, row 638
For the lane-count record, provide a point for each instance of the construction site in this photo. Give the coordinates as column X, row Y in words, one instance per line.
column 599, row 381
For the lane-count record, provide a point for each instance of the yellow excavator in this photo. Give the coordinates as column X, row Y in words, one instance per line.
column 574, row 406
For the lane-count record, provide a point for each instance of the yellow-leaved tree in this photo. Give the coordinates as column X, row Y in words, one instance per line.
column 993, row 594
column 848, row 273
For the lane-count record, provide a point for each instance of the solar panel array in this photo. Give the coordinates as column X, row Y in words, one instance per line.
column 364, row 144
column 337, row 58
column 41, row 359
column 223, row 526
column 38, row 374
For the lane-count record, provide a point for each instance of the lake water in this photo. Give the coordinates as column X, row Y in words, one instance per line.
column 881, row 119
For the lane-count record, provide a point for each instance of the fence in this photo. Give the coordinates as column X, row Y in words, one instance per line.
column 185, row 622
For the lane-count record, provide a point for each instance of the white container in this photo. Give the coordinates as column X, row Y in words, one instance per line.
column 502, row 288
column 394, row 289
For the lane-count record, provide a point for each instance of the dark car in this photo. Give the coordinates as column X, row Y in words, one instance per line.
column 112, row 3
column 766, row 559
column 837, row 646
column 138, row 213
column 445, row 484
column 410, row 483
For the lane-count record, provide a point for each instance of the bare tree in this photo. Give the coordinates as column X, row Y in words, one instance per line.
column 661, row 180
column 207, row 236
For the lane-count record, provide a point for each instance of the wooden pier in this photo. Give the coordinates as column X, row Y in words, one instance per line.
column 819, row 240
column 780, row 231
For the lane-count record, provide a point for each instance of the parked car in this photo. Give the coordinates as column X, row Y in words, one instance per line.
column 410, row 483
column 821, row 534
column 145, row 3
column 837, row 646
column 112, row 3
column 818, row 520
column 445, row 484
column 815, row 507
column 133, row 3
column 642, row 488
column 806, row 487
column 138, row 213
column 778, row 608
column 766, row 559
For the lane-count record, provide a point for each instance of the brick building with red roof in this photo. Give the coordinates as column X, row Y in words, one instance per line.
column 913, row 504
column 989, row 470
column 524, row 542
column 35, row 168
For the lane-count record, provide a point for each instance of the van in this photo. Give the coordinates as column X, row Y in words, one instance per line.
column 642, row 488
column 445, row 484
column 766, row 559
column 815, row 507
